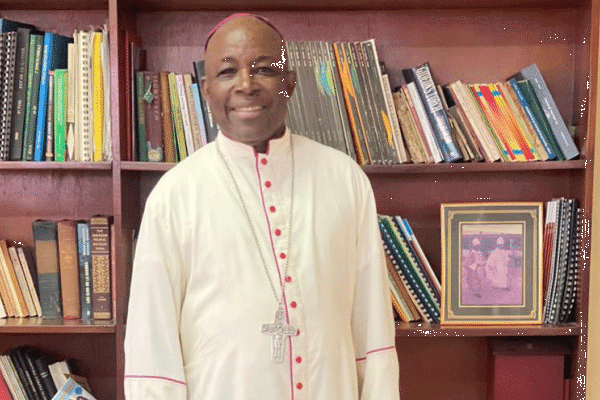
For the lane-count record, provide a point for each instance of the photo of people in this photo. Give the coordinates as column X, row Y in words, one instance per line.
column 491, row 262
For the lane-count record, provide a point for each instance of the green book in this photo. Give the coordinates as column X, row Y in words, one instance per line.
column 177, row 118
column 140, row 123
column 60, row 115
column 36, row 43
column 538, row 113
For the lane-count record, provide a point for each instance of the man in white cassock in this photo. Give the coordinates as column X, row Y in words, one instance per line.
column 259, row 271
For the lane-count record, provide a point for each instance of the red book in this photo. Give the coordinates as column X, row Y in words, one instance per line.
column 4, row 392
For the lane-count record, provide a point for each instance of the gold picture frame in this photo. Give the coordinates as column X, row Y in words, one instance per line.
column 492, row 263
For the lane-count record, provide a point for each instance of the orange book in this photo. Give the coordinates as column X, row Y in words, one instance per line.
column 69, row 268
column 492, row 113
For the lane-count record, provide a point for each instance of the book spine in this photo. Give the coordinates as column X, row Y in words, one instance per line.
column 50, row 119
column 7, row 91
column 189, row 96
column 421, row 115
column 68, row 267
column 97, row 97
column 40, row 130
column 10, row 277
column 14, row 258
column 532, row 119
column 36, row 46
column 178, row 130
column 140, row 89
column 435, row 112
column 46, row 254
column 19, row 94
column 211, row 126
column 167, row 121
column 101, row 280
column 84, row 113
column 29, row 271
column 185, row 115
column 557, row 124
column 200, row 119
column 154, row 124
column 85, row 270
column 60, row 121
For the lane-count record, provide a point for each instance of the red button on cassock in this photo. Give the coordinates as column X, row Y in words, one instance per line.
column 277, row 232
column 288, row 279
column 293, row 304
column 299, row 385
column 272, row 208
column 282, row 256
column 264, row 161
column 298, row 360
column 268, row 184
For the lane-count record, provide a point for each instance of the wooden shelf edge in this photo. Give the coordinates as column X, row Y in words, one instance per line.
column 412, row 168
column 52, row 165
column 55, row 326
column 419, row 329
column 474, row 167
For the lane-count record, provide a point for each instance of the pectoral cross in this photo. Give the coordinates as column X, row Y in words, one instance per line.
column 280, row 330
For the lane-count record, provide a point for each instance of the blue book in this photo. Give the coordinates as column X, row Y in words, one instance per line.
column 198, row 106
column 436, row 114
column 54, row 57
column 7, row 25
column 84, row 258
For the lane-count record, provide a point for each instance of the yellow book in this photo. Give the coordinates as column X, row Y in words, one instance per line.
column 98, row 96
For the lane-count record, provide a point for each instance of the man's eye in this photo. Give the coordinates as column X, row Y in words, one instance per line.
column 226, row 72
column 267, row 71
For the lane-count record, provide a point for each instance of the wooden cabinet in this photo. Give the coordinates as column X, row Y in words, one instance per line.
column 475, row 41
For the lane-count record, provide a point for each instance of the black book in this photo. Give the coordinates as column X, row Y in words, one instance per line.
column 23, row 374
column 211, row 126
column 41, row 361
column 19, row 93
column 6, row 91
column 35, row 374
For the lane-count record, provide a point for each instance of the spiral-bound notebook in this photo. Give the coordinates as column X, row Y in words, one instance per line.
column 8, row 60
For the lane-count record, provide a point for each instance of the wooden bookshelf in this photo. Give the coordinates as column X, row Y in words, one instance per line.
column 475, row 41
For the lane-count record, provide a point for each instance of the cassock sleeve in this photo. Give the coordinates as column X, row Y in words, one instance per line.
column 372, row 319
column 153, row 358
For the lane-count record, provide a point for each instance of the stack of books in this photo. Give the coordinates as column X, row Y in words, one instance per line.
column 54, row 94
column 415, row 289
column 560, row 259
column 31, row 374
column 73, row 260
column 515, row 120
column 18, row 282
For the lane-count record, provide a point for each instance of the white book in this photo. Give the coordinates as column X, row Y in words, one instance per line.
column 10, row 377
column 84, row 114
column 27, row 272
column 14, row 258
column 185, row 114
column 424, row 120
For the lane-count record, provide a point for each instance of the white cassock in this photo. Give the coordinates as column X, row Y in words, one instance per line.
column 200, row 294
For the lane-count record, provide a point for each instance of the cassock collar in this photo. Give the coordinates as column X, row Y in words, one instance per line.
column 276, row 146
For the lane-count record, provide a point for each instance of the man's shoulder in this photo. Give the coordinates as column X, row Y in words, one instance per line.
column 323, row 154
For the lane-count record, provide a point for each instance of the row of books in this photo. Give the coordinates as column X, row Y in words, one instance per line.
column 66, row 275
column 514, row 120
column 29, row 373
column 560, row 259
column 343, row 98
column 54, row 94
column 415, row 289
column 169, row 123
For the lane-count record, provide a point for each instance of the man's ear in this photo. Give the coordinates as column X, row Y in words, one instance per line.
column 290, row 82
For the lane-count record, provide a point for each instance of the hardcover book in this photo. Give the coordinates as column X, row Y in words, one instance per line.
column 46, row 254
column 101, row 276
column 69, row 268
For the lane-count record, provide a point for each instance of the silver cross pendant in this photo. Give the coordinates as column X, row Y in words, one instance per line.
column 279, row 330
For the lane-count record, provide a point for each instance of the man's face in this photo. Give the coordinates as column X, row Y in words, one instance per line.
column 247, row 83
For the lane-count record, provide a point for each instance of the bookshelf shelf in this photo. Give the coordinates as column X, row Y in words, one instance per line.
column 47, row 165
column 419, row 329
column 55, row 326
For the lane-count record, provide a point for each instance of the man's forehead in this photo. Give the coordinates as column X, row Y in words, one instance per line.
column 244, row 27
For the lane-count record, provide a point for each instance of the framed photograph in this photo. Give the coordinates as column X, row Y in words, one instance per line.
column 492, row 263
